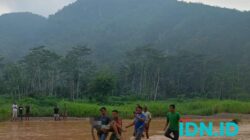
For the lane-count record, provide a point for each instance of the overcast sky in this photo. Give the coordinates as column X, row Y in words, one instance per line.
column 234, row 4
column 41, row 7
column 47, row 7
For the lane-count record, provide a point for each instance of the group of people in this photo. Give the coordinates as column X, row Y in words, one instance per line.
column 141, row 122
column 18, row 111
column 58, row 115
column 105, row 125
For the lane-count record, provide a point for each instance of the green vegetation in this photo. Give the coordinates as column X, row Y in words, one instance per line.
column 153, row 50
column 43, row 107
column 149, row 51
column 146, row 73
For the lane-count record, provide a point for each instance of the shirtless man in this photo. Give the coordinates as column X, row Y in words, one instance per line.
column 116, row 126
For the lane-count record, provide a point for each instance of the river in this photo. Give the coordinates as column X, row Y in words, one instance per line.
column 44, row 129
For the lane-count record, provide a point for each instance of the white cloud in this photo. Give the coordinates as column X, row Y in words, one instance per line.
column 4, row 9
column 42, row 7
column 233, row 4
column 47, row 7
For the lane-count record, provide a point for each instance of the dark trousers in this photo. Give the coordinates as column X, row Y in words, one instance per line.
column 113, row 137
column 175, row 133
column 102, row 135
column 21, row 115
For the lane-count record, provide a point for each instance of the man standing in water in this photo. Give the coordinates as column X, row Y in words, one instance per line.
column 139, row 123
column 56, row 114
column 147, row 121
column 14, row 111
column 105, row 121
column 65, row 113
column 172, row 123
column 27, row 112
column 116, row 126
column 20, row 111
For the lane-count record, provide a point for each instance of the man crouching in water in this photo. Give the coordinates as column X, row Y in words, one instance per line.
column 116, row 126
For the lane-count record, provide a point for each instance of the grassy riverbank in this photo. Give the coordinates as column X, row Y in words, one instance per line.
column 43, row 107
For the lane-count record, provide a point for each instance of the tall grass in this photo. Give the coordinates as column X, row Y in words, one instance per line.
column 43, row 107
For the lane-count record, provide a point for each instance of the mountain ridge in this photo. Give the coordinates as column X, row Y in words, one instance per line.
column 113, row 27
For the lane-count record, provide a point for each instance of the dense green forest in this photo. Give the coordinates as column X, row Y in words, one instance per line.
column 150, row 50
column 145, row 73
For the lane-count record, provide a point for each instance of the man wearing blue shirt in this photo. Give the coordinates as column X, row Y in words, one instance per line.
column 139, row 123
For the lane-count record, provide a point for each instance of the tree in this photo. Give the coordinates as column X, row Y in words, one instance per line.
column 142, row 70
column 102, row 86
column 41, row 70
column 14, row 81
column 75, row 67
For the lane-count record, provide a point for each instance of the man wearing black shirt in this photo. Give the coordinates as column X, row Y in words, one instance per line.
column 105, row 121
column 27, row 112
column 56, row 114
column 20, row 110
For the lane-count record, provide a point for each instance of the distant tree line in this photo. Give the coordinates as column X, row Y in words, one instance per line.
column 145, row 72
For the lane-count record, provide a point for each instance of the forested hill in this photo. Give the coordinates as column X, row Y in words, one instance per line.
column 111, row 27
column 18, row 32
column 150, row 49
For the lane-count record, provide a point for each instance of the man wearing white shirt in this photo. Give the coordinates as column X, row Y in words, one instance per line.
column 147, row 121
column 14, row 112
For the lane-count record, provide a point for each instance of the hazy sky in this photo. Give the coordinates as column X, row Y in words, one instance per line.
column 42, row 7
column 47, row 7
column 235, row 4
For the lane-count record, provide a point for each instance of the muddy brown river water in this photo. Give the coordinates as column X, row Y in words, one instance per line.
column 80, row 130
